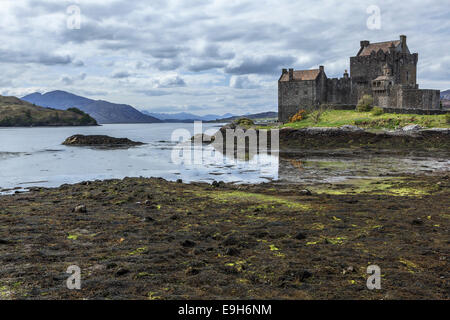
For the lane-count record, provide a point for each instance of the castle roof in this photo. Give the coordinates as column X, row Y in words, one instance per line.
column 380, row 45
column 302, row 75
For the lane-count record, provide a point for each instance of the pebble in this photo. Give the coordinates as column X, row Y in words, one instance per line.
column 188, row 243
column 80, row 209
column 300, row 236
column 122, row 271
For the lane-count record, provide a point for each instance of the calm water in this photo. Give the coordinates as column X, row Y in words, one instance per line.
column 35, row 157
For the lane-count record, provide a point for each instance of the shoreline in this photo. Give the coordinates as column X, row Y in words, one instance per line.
column 147, row 238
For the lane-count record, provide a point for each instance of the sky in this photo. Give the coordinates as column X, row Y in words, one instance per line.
column 204, row 56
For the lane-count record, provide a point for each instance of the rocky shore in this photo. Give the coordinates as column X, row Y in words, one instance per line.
column 349, row 137
column 143, row 238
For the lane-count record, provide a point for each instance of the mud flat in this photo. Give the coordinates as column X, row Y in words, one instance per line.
column 140, row 238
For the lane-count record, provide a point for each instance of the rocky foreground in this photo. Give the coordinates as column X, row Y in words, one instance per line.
column 148, row 238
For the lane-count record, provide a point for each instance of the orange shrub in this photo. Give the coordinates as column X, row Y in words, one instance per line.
column 299, row 116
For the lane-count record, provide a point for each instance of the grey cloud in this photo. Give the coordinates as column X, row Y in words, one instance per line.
column 67, row 80
column 243, row 82
column 121, row 75
column 155, row 93
column 34, row 57
column 205, row 65
column 260, row 65
column 170, row 82
column 167, row 64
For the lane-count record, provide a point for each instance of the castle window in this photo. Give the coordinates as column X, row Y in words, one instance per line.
column 305, row 92
column 407, row 75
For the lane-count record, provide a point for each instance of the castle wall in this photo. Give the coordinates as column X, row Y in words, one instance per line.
column 401, row 97
column 419, row 99
column 338, row 91
column 363, row 69
column 293, row 95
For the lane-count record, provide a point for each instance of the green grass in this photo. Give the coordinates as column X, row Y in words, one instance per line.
column 337, row 118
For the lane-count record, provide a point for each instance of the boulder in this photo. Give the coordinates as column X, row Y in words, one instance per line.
column 203, row 138
column 99, row 140
column 412, row 127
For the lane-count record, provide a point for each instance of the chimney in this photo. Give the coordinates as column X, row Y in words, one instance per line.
column 403, row 41
column 291, row 74
column 365, row 43
column 322, row 69
column 346, row 74
column 283, row 71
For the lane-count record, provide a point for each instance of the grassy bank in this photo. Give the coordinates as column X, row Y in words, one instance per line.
column 337, row 118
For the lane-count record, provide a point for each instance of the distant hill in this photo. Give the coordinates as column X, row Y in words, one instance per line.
column 255, row 116
column 102, row 111
column 445, row 95
column 18, row 113
column 184, row 116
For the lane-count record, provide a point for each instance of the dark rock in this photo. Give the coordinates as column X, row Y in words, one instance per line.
column 218, row 184
column 179, row 181
column 232, row 252
column 188, row 244
column 192, row 271
column 148, row 219
column 122, row 271
column 417, row 222
column 3, row 241
column 296, row 275
column 230, row 241
column 300, row 236
column 99, row 140
column 305, row 192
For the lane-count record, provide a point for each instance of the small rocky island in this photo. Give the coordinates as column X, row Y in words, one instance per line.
column 99, row 140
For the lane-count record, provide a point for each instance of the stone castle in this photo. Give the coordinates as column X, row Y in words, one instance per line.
column 385, row 70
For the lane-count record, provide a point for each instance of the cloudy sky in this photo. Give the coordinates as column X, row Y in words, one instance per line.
column 203, row 56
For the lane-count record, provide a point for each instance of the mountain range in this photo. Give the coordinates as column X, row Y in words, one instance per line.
column 102, row 111
column 185, row 116
column 108, row 112
column 445, row 95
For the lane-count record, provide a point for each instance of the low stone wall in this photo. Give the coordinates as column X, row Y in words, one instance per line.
column 415, row 111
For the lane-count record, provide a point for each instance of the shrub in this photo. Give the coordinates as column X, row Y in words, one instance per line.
column 244, row 122
column 365, row 104
column 299, row 116
column 317, row 114
column 447, row 117
column 377, row 111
